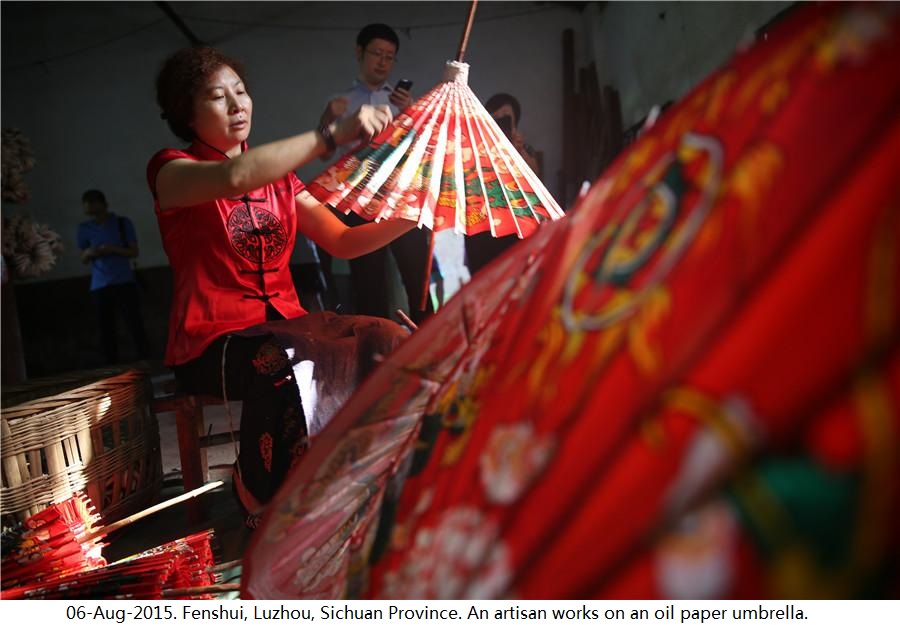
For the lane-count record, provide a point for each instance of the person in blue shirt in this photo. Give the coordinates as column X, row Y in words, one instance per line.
column 108, row 242
column 377, row 46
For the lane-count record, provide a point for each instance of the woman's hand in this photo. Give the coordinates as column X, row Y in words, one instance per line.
column 367, row 122
column 334, row 110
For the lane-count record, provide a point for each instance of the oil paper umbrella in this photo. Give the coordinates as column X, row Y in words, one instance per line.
column 63, row 541
column 702, row 399
column 322, row 525
column 443, row 163
column 175, row 569
column 53, row 543
column 696, row 398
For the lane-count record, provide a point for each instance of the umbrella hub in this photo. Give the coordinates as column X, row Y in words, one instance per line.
column 456, row 71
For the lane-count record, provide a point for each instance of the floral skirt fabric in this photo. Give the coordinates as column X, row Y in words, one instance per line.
column 292, row 376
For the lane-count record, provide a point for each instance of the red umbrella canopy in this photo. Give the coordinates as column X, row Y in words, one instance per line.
column 444, row 163
column 52, row 543
column 688, row 389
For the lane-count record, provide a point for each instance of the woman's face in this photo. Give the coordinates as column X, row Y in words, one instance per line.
column 223, row 111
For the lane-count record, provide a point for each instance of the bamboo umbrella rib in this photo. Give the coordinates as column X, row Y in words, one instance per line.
column 108, row 529
column 411, row 163
column 488, row 148
column 507, row 156
column 417, row 154
column 458, row 181
column 537, row 186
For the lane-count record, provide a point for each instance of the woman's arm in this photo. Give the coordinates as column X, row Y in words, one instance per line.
column 318, row 223
column 184, row 182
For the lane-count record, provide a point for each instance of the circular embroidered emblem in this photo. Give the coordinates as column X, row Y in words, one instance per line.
column 261, row 238
column 624, row 262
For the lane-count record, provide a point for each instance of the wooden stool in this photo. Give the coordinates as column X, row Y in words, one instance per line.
column 192, row 443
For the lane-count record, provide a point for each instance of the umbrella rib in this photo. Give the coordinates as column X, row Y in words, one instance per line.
column 476, row 162
column 457, row 170
column 381, row 180
column 432, row 195
column 500, row 184
column 417, row 150
column 547, row 200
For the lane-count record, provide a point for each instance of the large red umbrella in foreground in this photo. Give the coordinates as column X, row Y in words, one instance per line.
column 689, row 389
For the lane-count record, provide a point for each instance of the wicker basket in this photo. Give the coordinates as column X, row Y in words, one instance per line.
column 96, row 436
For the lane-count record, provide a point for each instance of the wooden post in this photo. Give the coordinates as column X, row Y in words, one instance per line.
column 568, row 186
column 13, row 353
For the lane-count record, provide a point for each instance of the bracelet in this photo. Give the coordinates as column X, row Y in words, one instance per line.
column 325, row 131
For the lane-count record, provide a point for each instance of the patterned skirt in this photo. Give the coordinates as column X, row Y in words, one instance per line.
column 292, row 376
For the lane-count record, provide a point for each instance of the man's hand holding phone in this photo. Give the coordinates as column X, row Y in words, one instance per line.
column 401, row 96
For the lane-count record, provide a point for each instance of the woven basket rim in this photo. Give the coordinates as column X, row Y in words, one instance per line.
column 58, row 386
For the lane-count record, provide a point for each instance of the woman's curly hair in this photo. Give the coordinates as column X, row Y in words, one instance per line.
column 181, row 76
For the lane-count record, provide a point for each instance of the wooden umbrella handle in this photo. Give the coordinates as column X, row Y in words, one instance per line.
column 464, row 41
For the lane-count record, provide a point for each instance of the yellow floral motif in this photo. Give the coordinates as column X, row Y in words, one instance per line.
column 551, row 339
column 751, row 179
column 637, row 158
column 467, row 407
column 851, row 37
column 687, row 115
column 774, row 96
column 478, row 217
column 655, row 307
column 688, row 154
column 755, row 87
column 720, row 91
column 447, row 199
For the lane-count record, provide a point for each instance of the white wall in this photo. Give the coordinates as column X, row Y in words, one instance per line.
column 78, row 81
column 657, row 51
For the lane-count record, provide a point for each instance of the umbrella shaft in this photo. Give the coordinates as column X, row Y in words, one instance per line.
column 464, row 41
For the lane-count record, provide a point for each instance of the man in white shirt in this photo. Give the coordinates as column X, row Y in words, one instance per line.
column 377, row 46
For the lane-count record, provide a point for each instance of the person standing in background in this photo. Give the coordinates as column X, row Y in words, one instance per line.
column 108, row 242
column 377, row 46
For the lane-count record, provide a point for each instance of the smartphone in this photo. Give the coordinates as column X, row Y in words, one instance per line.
column 404, row 84
column 505, row 124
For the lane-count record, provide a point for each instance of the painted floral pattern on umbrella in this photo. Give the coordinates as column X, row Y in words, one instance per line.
column 472, row 562
column 650, row 356
column 689, row 388
column 443, row 163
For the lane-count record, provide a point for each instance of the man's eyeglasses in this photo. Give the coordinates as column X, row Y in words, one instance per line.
column 387, row 57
